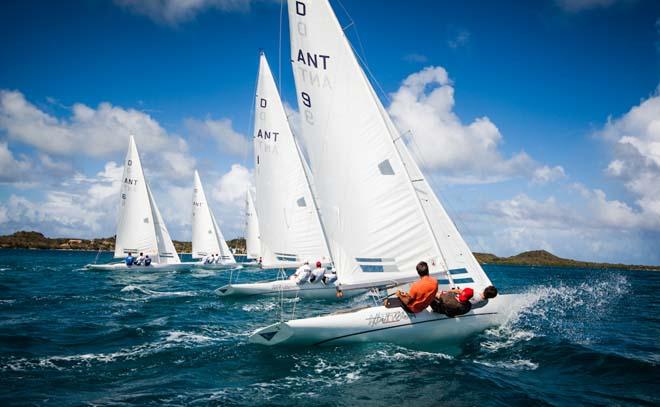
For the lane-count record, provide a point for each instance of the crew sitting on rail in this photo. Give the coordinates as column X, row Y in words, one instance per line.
column 140, row 259
column 318, row 273
column 481, row 300
column 453, row 302
column 329, row 277
column 302, row 273
column 147, row 261
column 129, row 260
column 421, row 294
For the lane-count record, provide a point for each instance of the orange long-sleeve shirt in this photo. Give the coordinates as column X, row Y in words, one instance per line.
column 422, row 293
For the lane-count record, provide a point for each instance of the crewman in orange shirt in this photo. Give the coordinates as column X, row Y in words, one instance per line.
column 421, row 293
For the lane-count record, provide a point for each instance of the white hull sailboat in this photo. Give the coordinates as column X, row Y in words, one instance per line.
column 207, row 238
column 289, row 229
column 140, row 227
column 381, row 324
column 379, row 214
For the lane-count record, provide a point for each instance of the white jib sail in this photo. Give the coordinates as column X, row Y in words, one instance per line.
column 207, row 239
column 376, row 222
column 135, row 226
column 204, row 238
column 225, row 254
column 166, row 252
column 289, row 225
column 252, row 243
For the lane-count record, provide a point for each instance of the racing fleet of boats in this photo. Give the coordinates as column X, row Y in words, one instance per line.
column 345, row 191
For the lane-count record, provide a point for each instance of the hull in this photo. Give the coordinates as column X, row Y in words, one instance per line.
column 222, row 266
column 380, row 324
column 285, row 288
column 124, row 267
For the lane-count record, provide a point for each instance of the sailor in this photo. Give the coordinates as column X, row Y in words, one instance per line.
column 206, row 259
column 318, row 273
column 147, row 261
column 302, row 273
column 453, row 302
column 129, row 260
column 140, row 259
column 421, row 294
column 481, row 300
column 329, row 277
column 216, row 260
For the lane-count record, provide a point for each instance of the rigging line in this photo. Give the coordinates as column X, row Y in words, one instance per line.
column 355, row 30
column 434, row 185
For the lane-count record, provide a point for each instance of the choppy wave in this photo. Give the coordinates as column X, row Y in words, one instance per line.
column 156, row 294
column 172, row 339
column 165, row 338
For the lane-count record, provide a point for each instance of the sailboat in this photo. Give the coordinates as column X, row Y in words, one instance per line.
column 380, row 215
column 290, row 230
column 207, row 239
column 252, row 244
column 140, row 227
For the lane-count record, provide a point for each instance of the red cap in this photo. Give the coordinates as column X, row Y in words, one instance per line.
column 465, row 294
column 318, row 264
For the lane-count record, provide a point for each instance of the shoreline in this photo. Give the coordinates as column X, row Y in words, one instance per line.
column 483, row 259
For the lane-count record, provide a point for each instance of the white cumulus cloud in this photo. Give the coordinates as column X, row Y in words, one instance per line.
column 231, row 188
column 173, row 12
column 11, row 169
column 463, row 153
column 635, row 142
column 222, row 133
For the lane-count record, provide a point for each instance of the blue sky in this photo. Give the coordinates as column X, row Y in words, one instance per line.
column 563, row 95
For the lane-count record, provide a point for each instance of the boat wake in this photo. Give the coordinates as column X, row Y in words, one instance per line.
column 564, row 312
column 136, row 289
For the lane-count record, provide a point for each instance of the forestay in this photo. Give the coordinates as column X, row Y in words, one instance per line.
column 379, row 214
column 207, row 238
column 252, row 243
column 289, row 225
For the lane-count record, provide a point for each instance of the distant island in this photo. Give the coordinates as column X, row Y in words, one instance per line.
column 36, row 240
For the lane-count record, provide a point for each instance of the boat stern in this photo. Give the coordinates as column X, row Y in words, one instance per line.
column 272, row 334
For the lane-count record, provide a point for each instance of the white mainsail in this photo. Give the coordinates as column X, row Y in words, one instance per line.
column 252, row 243
column 140, row 227
column 207, row 239
column 289, row 227
column 380, row 215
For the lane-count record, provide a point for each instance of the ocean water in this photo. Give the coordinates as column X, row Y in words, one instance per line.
column 73, row 337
